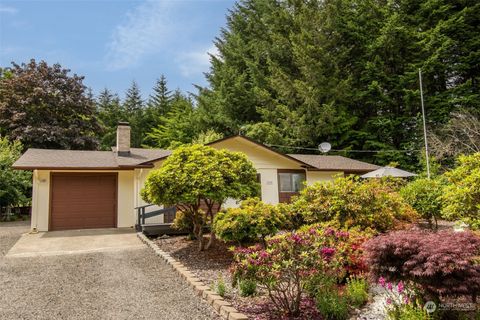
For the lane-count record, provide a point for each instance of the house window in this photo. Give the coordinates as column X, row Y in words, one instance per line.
column 291, row 181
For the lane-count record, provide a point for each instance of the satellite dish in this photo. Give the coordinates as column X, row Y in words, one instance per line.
column 324, row 147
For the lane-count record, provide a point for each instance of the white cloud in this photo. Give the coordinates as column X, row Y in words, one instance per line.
column 195, row 62
column 148, row 29
column 7, row 9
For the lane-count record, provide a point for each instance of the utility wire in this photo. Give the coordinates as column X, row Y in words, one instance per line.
column 343, row 150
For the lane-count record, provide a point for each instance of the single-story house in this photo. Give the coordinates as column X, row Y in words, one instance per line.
column 101, row 189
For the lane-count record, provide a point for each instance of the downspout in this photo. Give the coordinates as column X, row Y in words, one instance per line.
column 35, row 186
column 137, row 192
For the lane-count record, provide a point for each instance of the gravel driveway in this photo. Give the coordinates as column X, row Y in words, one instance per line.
column 127, row 284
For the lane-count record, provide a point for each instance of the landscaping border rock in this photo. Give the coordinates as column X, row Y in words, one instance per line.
column 221, row 306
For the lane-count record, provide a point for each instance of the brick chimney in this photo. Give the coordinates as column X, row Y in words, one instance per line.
column 123, row 139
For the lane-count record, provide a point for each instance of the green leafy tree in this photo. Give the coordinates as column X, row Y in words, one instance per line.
column 461, row 196
column 44, row 107
column 14, row 184
column 198, row 174
column 207, row 137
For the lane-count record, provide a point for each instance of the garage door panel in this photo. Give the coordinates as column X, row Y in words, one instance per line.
column 81, row 201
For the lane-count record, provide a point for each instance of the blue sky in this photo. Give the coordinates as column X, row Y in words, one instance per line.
column 112, row 42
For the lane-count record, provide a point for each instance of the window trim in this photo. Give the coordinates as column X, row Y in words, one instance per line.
column 288, row 194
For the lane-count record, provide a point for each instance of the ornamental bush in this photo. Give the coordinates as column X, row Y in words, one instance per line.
column 440, row 263
column 253, row 221
column 14, row 184
column 462, row 195
column 194, row 175
column 291, row 259
column 350, row 201
column 424, row 195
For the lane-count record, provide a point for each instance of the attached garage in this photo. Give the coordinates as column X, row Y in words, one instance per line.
column 83, row 201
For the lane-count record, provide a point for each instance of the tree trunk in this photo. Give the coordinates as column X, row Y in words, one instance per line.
column 211, row 215
column 211, row 240
column 200, row 238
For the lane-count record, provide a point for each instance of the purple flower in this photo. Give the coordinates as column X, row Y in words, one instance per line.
column 400, row 287
column 296, row 238
column 389, row 286
column 329, row 232
column 389, row 301
column 263, row 254
column 381, row 281
column 327, row 252
column 342, row 234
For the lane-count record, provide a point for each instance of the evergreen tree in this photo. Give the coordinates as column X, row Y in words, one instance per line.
column 158, row 106
column 109, row 113
column 160, row 101
column 178, row 126
column 301, row 72
column 133, row 107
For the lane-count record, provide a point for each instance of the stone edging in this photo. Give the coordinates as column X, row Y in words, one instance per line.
column 222, row 307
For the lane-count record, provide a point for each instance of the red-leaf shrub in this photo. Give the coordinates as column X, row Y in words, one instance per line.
column 440, row 264
column 292, row 258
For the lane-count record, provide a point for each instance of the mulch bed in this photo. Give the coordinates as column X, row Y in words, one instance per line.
column 211, row 265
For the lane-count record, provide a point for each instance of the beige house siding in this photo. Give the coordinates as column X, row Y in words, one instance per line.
column 321, row 176
column 41, row 198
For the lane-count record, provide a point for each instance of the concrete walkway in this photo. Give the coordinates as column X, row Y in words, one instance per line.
column 125, row 282
column 74, row 242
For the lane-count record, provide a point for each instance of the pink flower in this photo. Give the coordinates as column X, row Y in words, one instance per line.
column 389, row 301
column 406, row 299
column 342, row 234
column 263, row 254
column 329, row 232
column 327, row 252
column 381, row 281
column 389, row 286
column 296, row 238
column 400, row 287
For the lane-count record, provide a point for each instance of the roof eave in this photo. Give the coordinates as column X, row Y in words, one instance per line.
column 80, row 168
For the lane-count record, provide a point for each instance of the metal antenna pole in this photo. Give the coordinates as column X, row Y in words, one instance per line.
column 424, row 124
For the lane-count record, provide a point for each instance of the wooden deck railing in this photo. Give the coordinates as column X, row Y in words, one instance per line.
column 168, row 214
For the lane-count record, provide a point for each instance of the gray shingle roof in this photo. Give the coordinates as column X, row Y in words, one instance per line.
column 334, row 163
column 138, row 158
column 74, row 159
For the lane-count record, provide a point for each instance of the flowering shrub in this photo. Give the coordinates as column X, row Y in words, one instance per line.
column 290, row 259
column 348, row 245
column 254, row 220
column 349, row 201
column 424, row 196
column 401, row 303
column 438, row 263
column 462, row 196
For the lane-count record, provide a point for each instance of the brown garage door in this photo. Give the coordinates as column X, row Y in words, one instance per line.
column 82, row 201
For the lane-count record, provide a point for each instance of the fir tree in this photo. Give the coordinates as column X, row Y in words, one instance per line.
column 109, row 113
